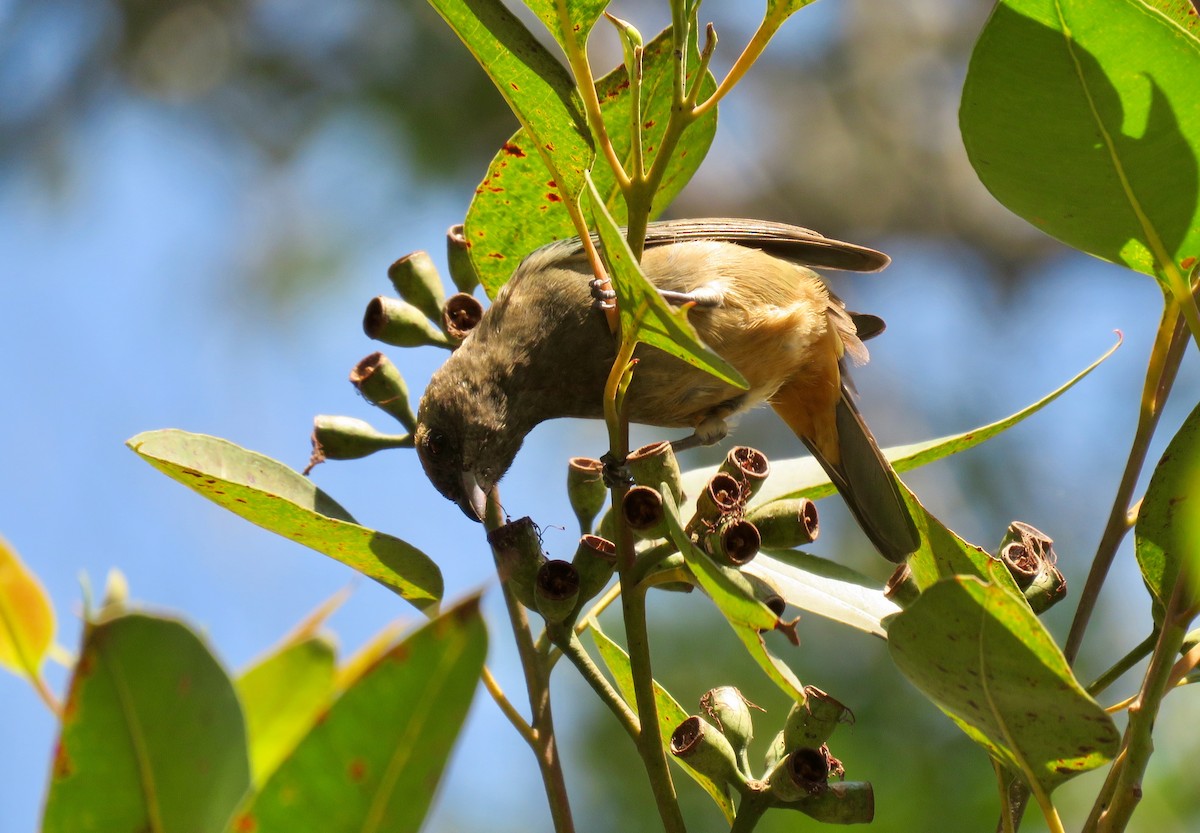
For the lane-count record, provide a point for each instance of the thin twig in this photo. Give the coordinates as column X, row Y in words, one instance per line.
column 509, row 710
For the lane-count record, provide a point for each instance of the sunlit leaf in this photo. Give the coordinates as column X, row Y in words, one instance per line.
column 776, row 669
column 1093, row 134
column 273, row 496
column 670, row 713
column 373, row 761
column 823, row 587
column 1167, row 532
column 282, row 694
column 986, row 660
column 581, row 16
column 516, row 208
column 644, row 314
column 152, row 735
column 803, row 477
column 26, row 616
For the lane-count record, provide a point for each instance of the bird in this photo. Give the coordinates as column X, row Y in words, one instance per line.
column 543, row 350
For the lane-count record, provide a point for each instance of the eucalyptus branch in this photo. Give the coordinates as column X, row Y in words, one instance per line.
column 1135, row 655
column 572, row 649
column 1122, row 789
column 753, row 50
column 537, row 683
column 1165, row 357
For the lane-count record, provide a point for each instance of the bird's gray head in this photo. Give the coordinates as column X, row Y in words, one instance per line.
column 463, row 436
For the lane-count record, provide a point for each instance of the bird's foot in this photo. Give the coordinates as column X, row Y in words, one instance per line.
column 615, row 471
column 602, row 298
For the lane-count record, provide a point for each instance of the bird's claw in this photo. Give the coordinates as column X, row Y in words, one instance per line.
column 615, row 471
column 602, row 298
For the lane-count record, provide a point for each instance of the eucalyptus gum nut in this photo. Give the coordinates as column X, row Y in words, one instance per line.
column 595, row 560
column 775, row 753
column 401, row 324
column 458, row 257
column 655, row 464
column 460, row 314
column 1048, row 589
column 349, row 438
column 734, row 542
column 749, row 466
column 729, row 711
column 417, row 281
column 586, row 490
column 783, row 524
column 845, row 802
column 902, row 587
column 706, row 750
column 556, row 590
column 812, row 721
column 380, row 383
column 722, row 496
column 518, row 553
column 642, row 507
column 800, row 775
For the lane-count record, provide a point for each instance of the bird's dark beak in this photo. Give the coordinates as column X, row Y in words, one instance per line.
column 472, row 498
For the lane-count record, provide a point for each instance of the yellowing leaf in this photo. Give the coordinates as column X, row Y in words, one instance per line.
column 26, row 617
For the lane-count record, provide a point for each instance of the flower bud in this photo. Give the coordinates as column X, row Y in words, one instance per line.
column 458, row 257
column 380, row 383
column 812, row 720
column 586, row 490
column 706, row 750
column 399, row 323
column 749, row 467
column 556, row 590
column 734, row 542
column 642, row 507
column 783, row 524
column 595, row 560
column 518, row 553
column 460, row 315
column 347, row 438
column 417, row 281
column 655, row 464
column 730, row 712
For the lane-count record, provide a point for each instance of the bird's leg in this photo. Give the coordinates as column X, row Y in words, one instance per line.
column 703, row 296
column 614, row 471
column 711, row 429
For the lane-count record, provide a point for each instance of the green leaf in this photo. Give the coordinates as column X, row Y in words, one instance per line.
column 1167, row 533
column 273, row 496
column 670, row 713
column 581, row 17
column 516, row 208
column 645, row 316
column 986, row 660
column 374, row 760
column 152, row 735
column 282, row 694
column 1083, row 117
column 26, row 616
column 735, row 599
column 541, row 94
column 803, row 477
column 776, row 669
column 825, row 588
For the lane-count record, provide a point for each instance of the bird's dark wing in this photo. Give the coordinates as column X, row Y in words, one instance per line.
column 802, row 246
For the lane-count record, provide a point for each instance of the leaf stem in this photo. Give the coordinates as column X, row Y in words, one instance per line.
column 1135, row 655
column 537, row 683
column 573, row 650
column 514, row 717
column 1165, row 357
column 751, row 53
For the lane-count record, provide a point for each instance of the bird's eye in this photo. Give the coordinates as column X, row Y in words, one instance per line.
column 435, row 442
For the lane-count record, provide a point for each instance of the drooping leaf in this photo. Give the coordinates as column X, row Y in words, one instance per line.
column 273, row 496
column 372, row 762
column 516, row 208
column 986, row 660
column 1167, row 532
column 282, row 694
column 670, row 713
column 26, row 616
column 735, row 599
column 1093, row 135
column 541, row 94
column 825, row 588
column 152, row 736
column 803, row 477
column 776, row 669
column 645, row 316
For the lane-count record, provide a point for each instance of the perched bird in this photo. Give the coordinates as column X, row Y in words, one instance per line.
column 543, row 350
